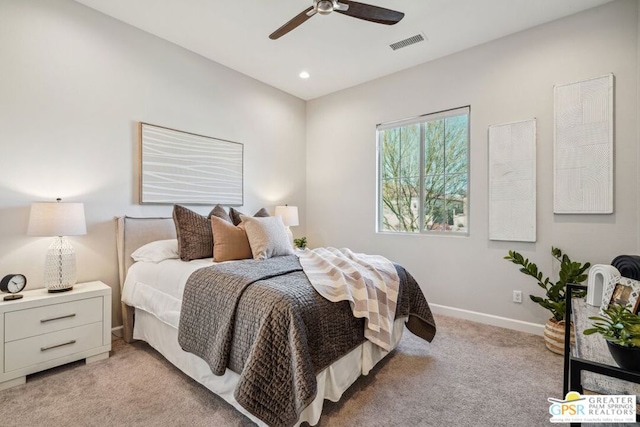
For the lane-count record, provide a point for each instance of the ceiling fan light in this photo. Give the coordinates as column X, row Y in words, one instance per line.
column 324, row 7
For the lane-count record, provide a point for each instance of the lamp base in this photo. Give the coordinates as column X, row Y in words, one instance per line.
column 55, row 291
column 60, row 266
column 290, row 235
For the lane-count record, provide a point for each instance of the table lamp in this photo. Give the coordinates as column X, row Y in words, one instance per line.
column 289, row 215
column 57, row 219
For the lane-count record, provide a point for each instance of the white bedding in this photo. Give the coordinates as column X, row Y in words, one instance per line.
column 155, row 290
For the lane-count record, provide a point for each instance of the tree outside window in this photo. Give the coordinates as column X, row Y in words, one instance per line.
column 423, row 174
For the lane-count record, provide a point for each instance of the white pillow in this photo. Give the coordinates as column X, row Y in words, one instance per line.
column 157, row 251
column 267, row 236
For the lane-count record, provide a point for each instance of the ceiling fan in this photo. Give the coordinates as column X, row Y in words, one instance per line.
column 354, row 9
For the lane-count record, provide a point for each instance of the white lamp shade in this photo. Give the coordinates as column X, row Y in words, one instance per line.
column 57, row 219
column 289, row 215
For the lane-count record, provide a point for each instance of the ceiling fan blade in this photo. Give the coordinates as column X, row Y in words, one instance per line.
column 371, row 13
column 295, row 22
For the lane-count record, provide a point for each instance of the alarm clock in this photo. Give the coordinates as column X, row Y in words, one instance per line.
column 13, row 283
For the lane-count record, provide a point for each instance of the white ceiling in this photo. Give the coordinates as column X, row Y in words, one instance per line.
column 338, row 51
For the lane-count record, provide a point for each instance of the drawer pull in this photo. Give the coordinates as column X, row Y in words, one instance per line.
column 58, row 318
column 57, row 345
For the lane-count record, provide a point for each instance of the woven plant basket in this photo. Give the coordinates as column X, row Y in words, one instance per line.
column 554, row 336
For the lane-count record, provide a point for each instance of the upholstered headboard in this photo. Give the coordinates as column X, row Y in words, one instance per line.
column 132, row 233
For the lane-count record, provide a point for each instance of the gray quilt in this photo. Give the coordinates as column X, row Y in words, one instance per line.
column 264, row 321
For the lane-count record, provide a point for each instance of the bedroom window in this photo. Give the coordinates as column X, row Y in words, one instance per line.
column 423, row 174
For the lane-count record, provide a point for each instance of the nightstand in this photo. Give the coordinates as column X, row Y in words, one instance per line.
column 44, row 330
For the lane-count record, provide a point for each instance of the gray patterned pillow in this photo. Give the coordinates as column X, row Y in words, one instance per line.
column 235, row 215
column 268, row 237
column 195, row 238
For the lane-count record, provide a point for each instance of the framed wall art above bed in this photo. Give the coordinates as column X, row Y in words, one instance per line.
column 186, row 168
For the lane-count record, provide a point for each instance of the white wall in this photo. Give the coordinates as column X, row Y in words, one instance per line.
column 506, row 80
column 73, row 85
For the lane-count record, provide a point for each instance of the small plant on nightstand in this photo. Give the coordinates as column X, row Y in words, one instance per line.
column 300, row 243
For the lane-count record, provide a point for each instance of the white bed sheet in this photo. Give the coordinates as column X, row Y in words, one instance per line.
column 155, row 290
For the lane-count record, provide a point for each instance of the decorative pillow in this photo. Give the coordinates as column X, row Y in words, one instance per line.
column 195, row 238
column 157, row 251
column 229, row 242
column 268, row 237
column 219, row 212
column 235, row 215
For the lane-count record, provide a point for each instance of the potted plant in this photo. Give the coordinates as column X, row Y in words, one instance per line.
column 554, row 301
column 621, row 328
column 300, row 243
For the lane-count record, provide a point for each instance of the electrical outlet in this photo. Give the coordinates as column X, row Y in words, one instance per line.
column 517, row 297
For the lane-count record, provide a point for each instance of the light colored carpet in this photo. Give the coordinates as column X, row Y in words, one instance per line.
column 471, row 375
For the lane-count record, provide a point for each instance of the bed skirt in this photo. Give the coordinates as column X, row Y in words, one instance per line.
column 333, row 381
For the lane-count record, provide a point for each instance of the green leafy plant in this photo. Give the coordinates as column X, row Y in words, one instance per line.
column 300, row 243
column 570, row 272
column 618, row 325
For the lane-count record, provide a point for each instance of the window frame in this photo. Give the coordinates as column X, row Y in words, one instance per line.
column 422, row 120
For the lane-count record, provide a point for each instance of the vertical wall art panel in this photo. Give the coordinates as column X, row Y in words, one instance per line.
column 181, row 167
column 512, row 181
column 583, row 147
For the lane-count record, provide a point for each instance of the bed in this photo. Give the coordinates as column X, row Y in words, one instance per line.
column 155, row 291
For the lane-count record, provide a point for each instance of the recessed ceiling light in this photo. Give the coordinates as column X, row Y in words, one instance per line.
column 304, row 75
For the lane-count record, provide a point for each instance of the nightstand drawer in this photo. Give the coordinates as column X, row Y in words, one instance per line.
column 41, row 320
column 41, row 348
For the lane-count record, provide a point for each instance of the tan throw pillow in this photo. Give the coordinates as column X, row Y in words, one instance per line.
column 195, row 238
column 235, row 215
column 229, row 242
column 267, row 236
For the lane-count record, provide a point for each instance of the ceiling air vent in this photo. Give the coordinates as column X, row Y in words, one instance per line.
column 407, row 42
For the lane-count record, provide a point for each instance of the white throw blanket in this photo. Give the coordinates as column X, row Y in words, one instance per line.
column 369, row 282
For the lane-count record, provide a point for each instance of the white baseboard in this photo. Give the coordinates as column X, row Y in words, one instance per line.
column 488, row 319
column 117, row 331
